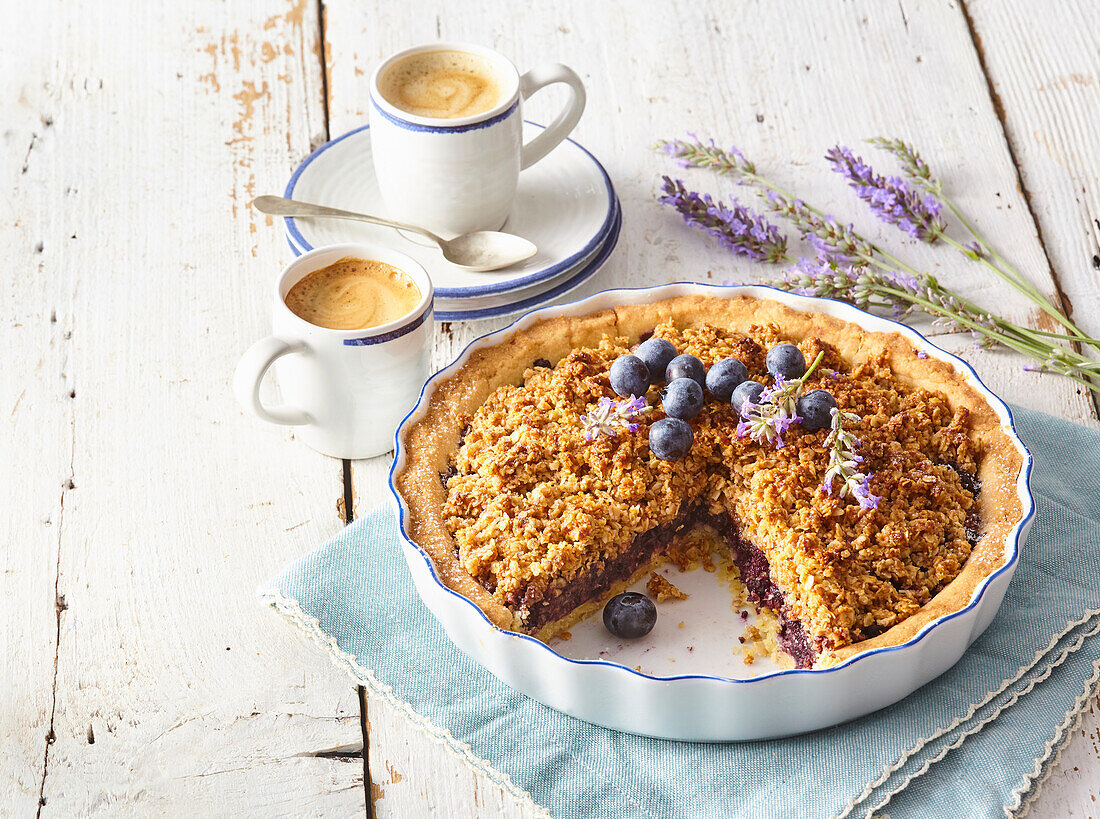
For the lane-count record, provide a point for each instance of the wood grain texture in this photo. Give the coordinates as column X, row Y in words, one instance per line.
column 37, row 401
column 160, row 504
column 140, row 674
column 1048, row 100
column 782, row 84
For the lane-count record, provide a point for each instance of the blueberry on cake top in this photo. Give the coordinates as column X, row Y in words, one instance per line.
column 871, row 495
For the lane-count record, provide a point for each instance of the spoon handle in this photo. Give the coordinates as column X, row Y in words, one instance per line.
column 278, row 206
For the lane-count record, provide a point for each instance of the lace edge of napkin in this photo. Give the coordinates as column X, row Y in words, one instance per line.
column 290, row 609
column 1042, row 764
column 1045, row 765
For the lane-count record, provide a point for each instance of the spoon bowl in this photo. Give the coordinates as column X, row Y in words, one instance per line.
column 481, row 250
column 487, row 250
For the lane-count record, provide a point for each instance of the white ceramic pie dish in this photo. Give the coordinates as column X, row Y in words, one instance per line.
column 705, row 707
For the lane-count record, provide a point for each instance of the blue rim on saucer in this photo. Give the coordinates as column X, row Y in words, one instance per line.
column 586, row 272
column 495, row 288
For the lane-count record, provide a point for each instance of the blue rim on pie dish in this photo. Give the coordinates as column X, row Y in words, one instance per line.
column 715, row 707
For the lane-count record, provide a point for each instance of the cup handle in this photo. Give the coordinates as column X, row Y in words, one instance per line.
column 251, row 370
column 540, row 77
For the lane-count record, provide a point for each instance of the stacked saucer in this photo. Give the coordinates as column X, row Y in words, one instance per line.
column 565, row 204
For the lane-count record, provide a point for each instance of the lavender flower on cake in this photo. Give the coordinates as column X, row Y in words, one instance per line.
column 612, row 417
column 844, row 463
column 768, row 418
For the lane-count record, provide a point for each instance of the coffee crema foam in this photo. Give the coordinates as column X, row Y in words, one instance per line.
column 353, row 294
column 441, row 84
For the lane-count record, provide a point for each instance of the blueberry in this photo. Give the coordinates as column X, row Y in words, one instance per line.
column 629, row 376
column 629, row 615
column 816, row 408
column 682, row 398
column 723, row 378
column 746, row 390
column 670, row 439
column 686, row 366
column 786, row 360
column 656, row 353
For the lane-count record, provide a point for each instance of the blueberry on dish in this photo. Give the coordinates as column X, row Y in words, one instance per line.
column 656, row 353
column 682, row 398
column 629, row 615
column 686, row 366
column 724, row 376
column 670, row 439
column 629, row 376
column 816, row 410
column 787, row 361
column 746, row 391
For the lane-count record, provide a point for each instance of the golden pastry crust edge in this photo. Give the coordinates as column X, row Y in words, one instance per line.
column 430, row 441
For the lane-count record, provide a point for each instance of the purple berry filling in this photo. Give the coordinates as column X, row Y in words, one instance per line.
column 749, row 559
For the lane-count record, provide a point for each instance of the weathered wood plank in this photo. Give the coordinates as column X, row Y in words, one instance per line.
column 1044, row 70
column 175, row 691
column 782, row 81
column 37, row 400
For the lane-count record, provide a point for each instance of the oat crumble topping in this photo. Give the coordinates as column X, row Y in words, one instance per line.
column 661, row 589
column 533, row 507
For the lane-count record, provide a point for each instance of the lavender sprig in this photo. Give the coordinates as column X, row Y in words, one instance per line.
column 914, row 167
column 891, row 198
column 612, row 417
column 867, row 287
column 862, row 286
column 828, row 236
column 697, row 154
column 917, row 171
column 844, row 463
column 768, row 419
column 901, row 287
column 737, row 227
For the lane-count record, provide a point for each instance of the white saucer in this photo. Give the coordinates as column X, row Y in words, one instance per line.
column 565, row 204
column 526, row 298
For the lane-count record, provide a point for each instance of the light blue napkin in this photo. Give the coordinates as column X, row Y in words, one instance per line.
column 354, row 595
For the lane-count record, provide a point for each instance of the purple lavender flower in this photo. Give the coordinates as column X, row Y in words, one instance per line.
column 862, row 493
column 844, row 463
column 974, row 250
column 832, row 240
column 915, row 168
column 610, row 417
column 738, row 228
column 892, row 199
column 904, row 281
column 860, row 285
column 697, row 154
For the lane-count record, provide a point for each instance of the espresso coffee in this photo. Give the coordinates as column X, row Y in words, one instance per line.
column 353, row 294
column 441, row 84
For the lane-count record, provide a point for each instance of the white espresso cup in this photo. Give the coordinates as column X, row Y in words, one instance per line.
column 345, row 390
column 460, row 174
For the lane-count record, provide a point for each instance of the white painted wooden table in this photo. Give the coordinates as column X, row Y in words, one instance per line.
column 141, row 507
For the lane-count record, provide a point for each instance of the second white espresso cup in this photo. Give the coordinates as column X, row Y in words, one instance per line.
column 460, row 174
column 345, row 390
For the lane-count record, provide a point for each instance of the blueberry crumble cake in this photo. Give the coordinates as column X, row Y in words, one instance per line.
column 861, row 488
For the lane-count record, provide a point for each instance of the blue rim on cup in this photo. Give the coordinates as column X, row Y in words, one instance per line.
column 588, row 269
column 457, row 125
column 300, row 244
